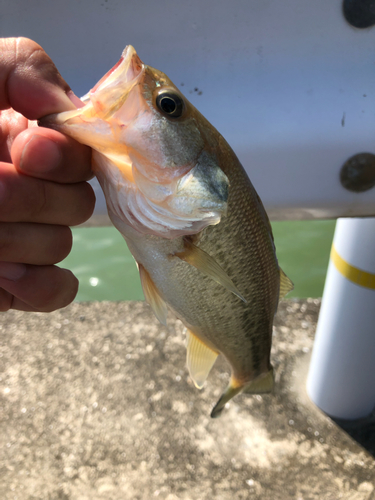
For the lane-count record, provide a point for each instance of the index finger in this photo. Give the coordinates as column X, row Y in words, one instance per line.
column 29, row 81
column 31, row 85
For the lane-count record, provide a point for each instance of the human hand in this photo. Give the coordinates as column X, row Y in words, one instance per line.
column 42, row 182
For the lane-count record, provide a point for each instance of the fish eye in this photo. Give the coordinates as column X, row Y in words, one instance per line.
column 170, row 104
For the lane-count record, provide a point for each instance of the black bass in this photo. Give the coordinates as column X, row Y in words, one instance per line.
column 190, row 216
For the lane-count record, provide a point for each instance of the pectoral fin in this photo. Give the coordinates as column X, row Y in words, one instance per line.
column 286, row 285
column 152, row 296
column 198, row 258
column 200, row 359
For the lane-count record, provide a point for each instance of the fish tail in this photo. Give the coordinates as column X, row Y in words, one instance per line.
column 228, row 394
column 260, row 385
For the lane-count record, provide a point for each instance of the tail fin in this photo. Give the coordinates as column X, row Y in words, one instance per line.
column 260, row 385
column 228, row 394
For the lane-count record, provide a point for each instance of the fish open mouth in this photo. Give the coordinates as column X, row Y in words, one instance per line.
column 91, row 124
column 128, row 68
column 111, row 91
column 105, row 98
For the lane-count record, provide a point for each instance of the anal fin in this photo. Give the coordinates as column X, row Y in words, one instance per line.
column 199, row 359
column 207, row 265
column 152, row 295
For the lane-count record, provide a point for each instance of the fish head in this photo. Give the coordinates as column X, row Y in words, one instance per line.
column 153, row 156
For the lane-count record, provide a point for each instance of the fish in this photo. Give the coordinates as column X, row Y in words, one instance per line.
column 190, row 216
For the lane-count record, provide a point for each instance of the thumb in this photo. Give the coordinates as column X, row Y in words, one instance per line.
column 29, row 81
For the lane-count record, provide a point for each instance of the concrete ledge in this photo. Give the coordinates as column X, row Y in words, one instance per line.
column 96, row 404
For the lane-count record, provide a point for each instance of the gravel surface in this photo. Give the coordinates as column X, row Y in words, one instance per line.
column 96, row 403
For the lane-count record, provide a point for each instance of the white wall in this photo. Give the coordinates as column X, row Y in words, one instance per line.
column 277, row 78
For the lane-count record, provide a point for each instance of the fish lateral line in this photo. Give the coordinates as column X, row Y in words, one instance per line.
column 207, row 265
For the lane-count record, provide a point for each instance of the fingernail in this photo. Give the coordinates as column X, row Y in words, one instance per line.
column 12, row 271
column 40, row 155
column 75, row 100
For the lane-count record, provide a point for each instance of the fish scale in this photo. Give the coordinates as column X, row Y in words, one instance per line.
column 190, row 216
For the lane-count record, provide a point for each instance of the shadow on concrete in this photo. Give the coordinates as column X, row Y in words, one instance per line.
column 361, row 430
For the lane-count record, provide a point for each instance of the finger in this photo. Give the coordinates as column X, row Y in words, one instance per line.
column 11, row 124
column 48, row 154
column 36, row 288
column 8, row 301
column 38, row 244
column 29, row 81
column 26, row 199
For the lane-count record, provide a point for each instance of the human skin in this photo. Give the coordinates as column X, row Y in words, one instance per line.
column 43, row 188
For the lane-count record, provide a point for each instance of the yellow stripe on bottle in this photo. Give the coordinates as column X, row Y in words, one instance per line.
column 354, row 274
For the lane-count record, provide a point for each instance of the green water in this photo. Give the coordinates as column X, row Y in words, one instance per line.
column 107, row 271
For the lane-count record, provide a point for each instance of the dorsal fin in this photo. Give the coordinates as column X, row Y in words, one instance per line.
column 152, row 296
column 286, row 285
column 207, row 265
column 199, row 359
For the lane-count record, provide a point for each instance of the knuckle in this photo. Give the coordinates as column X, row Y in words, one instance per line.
column 85, row 208
column 70, row 295
column 31, row 55
column 61, row 294
column 28, row 51
column 90, row 201
column 6, row 240
column 26, row 45
column 6, row 189
column 38, row 202
column 6, row 300
column 62, row 244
